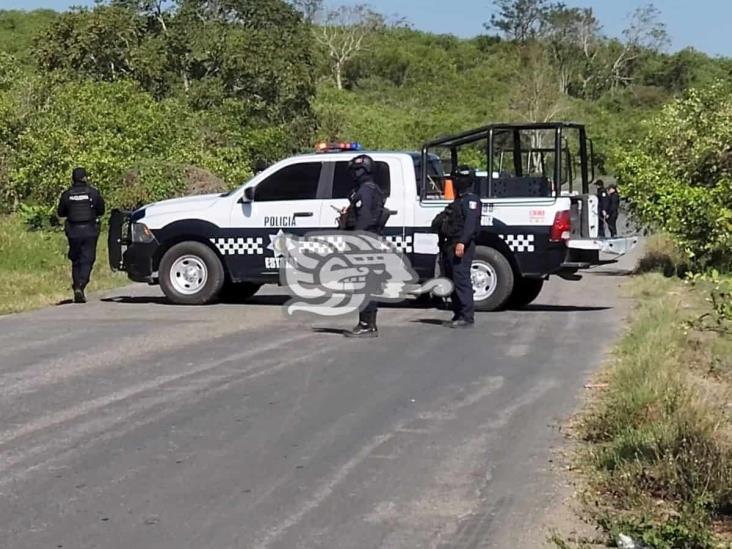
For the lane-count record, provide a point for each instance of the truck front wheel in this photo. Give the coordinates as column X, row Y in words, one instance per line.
column 492, row 278
column 191, row 274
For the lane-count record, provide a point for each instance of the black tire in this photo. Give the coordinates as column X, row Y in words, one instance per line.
column 205, row 277
column 239, row 292
column 494, row 262
column 525, row 291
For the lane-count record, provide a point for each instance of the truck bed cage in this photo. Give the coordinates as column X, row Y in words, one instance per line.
column 452, row 142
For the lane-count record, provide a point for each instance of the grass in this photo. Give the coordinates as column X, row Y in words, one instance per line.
column 662, row 255
column 656, row 446
column 35, row 271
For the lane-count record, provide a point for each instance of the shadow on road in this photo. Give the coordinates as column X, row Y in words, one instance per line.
column 137, row 300
column 429, row 321
column 332, row 331
column 616, row 272
column 271, row 300
column 559, row 309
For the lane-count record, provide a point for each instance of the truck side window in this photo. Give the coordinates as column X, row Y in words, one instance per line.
column 295, row 182
column 343, row 184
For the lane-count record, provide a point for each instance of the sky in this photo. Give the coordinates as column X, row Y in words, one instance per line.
column 702, row 24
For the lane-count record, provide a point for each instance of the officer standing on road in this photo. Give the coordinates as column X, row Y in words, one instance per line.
column 457, row 227
column 601, row 207
column 81, row 205
column 613, row 209
column 365, row 213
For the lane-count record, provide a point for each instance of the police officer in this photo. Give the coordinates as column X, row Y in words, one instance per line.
column 366, row 212
column 613, row 209
column 458, row 227
column 81, row 205
column 601, row 207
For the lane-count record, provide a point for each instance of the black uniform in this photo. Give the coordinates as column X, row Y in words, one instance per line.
column 601, row 210
column 613, row 209
column 366, row 212
column 81, row 205
column 459, row 224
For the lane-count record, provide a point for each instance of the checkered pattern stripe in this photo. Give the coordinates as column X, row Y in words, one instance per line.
column 239, row 246
column 519, row 242
column 324, row 245
column 403, row 244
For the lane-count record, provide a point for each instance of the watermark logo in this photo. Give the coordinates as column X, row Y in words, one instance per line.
column 337, row 273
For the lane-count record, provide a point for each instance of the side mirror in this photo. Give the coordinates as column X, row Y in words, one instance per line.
column 248, row 195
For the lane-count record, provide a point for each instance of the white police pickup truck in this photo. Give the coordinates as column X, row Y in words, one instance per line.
column 534, row 224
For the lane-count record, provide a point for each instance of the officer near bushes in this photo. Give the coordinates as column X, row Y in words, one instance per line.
column 366, row 212
column 613, row 209
column 601, row 207
column 82, row 206
column 457, row 227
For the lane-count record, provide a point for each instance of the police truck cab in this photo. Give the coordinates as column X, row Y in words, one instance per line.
column 538, row 217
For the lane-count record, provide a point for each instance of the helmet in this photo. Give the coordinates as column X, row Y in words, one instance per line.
column 361, row 167
column 464, row 179
column 78, row 175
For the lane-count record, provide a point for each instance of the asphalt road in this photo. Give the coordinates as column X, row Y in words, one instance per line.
column 130, row 423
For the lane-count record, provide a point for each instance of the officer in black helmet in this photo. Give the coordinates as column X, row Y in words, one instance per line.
column 81, row 205
column 366, row 212
column 458, row 226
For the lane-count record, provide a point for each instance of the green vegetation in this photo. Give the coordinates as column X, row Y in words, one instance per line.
column 143, row 92
column 679, row 177
column 658, row 442
column 34, row 268
column 155, row 97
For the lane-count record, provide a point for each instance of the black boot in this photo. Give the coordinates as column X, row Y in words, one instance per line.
column 79, row 296
column 366, row 326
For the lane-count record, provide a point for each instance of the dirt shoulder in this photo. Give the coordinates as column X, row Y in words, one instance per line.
column 649, row 455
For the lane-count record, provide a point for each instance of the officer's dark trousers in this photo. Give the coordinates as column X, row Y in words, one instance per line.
column 458, row 270
column 612, row 225
column 600, row 226
column 368, row 314
column 83, row 254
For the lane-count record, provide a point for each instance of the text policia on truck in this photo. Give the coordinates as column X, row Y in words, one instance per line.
column 538, row 217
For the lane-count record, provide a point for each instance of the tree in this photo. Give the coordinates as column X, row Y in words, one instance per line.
column 535, row 98
column 644, row 33
column 310, row 9
column 255, row 52
column 99, row 43
column 344, row 32
column 519, row 20
column 679, row 177
column 573, row 37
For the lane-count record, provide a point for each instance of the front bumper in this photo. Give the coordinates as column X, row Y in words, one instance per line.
column 137, row 259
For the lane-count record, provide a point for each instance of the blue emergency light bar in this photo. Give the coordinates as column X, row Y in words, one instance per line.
column 325, row 147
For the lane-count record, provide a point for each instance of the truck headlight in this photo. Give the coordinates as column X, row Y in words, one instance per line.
column 141, row 233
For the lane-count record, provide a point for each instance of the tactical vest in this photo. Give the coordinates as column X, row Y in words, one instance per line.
column 81, row 205
column 347, row 220
column 453, row 222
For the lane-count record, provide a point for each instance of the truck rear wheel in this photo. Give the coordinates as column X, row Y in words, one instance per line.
column 191, row 274
column 492, row 278
column 525, row 291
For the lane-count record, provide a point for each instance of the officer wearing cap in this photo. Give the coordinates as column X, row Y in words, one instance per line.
column 81, row 205
column 366, row 212
column 458, row 226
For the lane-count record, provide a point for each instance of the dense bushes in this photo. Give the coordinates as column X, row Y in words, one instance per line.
column 141, row 93
column 144, row 98
column 679, row 177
